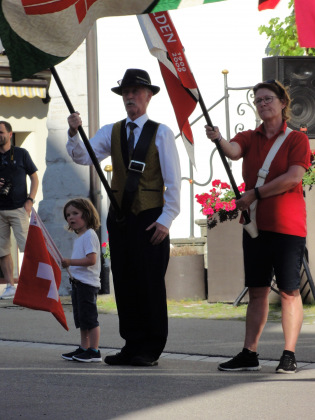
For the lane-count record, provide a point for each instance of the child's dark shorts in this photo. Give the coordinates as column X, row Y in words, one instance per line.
column 84, row 306
column 273, row 253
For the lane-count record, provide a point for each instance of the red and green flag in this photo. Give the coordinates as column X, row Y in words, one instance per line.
column 38, row 34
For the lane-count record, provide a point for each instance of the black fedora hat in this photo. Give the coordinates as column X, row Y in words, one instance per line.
column 135, row 77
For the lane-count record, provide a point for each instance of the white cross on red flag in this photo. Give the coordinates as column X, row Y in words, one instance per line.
column 40, row 275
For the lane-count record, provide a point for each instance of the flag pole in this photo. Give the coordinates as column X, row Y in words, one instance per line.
column 172, row 50
column 88, row 147
column 223, row 158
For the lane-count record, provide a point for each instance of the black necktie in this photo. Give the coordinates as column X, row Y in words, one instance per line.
column 131, row 138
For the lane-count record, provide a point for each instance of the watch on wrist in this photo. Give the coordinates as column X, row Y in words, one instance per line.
column 257, row 193
column 31, row 199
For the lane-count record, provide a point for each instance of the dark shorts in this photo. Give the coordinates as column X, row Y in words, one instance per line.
column 84, row 306
column 271, row 254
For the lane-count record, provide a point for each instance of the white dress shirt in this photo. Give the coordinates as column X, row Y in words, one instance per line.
column 169, row 160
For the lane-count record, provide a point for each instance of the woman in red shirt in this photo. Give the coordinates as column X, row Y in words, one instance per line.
column 280, row 219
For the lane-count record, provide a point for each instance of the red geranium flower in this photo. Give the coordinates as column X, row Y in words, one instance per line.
column 221, row 201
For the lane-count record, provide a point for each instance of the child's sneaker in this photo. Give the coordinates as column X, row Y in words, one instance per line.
column 88, row 356
column 287, row 363
column 68, row 356
column 246, row 360
column 9, row 292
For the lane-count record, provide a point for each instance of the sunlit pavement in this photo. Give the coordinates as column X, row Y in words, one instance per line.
column 36, row 383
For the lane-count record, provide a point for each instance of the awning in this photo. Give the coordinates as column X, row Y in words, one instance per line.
column 30, row 88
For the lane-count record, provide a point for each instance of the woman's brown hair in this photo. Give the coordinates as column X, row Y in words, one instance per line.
column 281, row 93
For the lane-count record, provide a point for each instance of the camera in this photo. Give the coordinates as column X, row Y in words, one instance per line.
column 6, row 187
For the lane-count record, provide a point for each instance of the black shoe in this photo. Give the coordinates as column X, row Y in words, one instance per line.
column 287, row 363
column 68, row 356
column 143, row 361
column 88, row 356
column 245, row 360
column 117, row 359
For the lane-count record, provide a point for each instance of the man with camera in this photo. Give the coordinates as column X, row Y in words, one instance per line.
column 15, row 203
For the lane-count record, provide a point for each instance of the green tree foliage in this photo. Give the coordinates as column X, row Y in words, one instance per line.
column 282, row 36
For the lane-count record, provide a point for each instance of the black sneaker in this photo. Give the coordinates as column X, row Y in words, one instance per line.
column 118, row 359
column 243, row 361
column 88, row 356
column 287, row 363
column 143, row 361
column 68, row 356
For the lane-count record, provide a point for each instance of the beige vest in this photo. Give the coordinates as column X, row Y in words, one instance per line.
column 150, row 189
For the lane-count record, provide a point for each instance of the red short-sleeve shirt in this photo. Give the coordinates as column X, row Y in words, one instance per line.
column 282, row 213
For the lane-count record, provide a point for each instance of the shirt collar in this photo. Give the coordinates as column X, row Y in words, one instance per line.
column 260, row 129
column 139, row 121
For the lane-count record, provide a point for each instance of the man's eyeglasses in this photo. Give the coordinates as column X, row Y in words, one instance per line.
column 266, row 100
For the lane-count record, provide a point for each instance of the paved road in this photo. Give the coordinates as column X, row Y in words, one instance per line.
column 36, row 383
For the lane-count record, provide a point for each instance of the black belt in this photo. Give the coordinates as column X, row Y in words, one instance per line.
column 73, row 281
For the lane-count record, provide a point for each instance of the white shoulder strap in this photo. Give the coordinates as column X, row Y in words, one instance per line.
column 263, row 172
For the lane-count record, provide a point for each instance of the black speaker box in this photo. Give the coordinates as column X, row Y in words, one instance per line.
column 298, row 74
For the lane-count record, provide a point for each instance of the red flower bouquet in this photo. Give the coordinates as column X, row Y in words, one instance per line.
column 221, row 201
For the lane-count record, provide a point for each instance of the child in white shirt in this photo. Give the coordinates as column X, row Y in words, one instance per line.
column 85, row 267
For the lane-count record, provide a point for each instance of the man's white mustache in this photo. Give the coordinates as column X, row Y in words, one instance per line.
column 130, row 103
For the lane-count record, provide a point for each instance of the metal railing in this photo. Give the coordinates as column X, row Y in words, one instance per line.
column 241, row 110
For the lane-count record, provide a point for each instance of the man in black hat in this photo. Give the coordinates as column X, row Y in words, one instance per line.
column 146, row 184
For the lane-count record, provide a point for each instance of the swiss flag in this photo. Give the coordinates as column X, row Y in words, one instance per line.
column 40, row 276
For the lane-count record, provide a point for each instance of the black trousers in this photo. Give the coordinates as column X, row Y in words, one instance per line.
column 138, row 270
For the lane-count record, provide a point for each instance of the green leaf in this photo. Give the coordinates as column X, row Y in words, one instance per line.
column 282, row 36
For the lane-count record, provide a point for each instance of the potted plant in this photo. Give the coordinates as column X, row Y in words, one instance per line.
column 309, row 177
column 219, row 205
column 225, row 273
column 185, row 275
column 106, row 250
column 106, row 280
column 309, row 193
